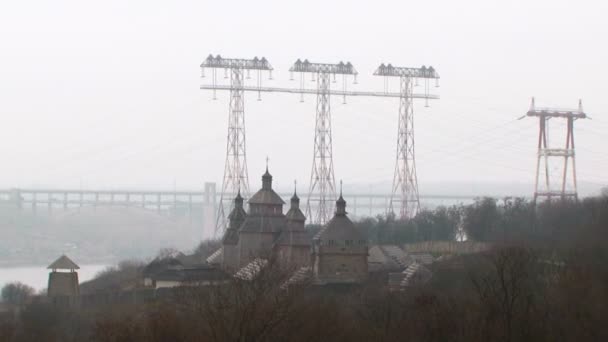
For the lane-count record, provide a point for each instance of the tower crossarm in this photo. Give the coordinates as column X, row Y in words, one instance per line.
column 557, row 113
column 422, row 72
column 556, row 152
column 314, row 91
column 556, row 194
column 340, row 68
column 547, row 112
column 229, row 63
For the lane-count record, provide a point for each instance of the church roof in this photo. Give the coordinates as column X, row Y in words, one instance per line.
column 266, row 196
column 236, row 217
column 295, row 214
column 194, row 274
column 231, row 237
column 340, row 227
column 238, row 214
column 158, row 265
column 63, row 263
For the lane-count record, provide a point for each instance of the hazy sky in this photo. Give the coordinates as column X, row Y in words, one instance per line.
column 106, row 94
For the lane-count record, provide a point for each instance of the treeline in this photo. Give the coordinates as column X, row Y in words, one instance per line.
column 507, row 220
column 546, row 280
column 510, row 294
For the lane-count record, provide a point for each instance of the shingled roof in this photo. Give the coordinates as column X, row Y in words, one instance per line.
column 63, row 263
column 340, row 227
column 294, row 213
column 266, row 224
column 238, row 214
column 266, row 195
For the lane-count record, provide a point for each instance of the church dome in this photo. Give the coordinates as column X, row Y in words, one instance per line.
column 340, row 227
column 294, row 213
column 266, row 195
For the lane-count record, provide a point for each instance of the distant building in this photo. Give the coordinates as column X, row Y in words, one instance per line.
column 340, row 250
column 265, row 231
column 263, row 225
column 339, row 253
column 264, row 236
column 293, row 245
column 181, row 270
column 63, row 287
column 189, row 276
column 230, row 251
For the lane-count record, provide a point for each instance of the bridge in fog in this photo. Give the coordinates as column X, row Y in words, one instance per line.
column 164, row 201
column 199, row 207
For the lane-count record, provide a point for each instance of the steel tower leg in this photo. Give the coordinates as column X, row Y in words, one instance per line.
column 405, row 180
column 235, row 171
column 539, row 155
column 571, row 147
column 322, row 182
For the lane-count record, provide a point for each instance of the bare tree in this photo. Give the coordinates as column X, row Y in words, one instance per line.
column 505, row 291
column 17, row 293
column 243, row 310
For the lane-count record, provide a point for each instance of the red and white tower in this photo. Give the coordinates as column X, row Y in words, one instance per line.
column 566, row 187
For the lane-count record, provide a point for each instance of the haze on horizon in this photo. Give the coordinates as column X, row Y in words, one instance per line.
column 102, row 95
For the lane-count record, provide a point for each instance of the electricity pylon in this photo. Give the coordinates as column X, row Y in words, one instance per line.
column 544, row 152
column 405, row 180
column 322, row 185
column 322, row 181
column 235, row 170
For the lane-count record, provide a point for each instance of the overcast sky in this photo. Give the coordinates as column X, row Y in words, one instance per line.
column 106, row 94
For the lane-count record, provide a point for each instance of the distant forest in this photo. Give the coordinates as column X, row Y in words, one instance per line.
column 492, row 220
column 107, row 234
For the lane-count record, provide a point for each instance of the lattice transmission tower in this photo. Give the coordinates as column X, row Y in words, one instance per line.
column 322, row 191
column 235, row 170
column 404, row 192
column 567, row 187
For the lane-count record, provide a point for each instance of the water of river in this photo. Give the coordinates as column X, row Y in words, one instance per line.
column 38, row 276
